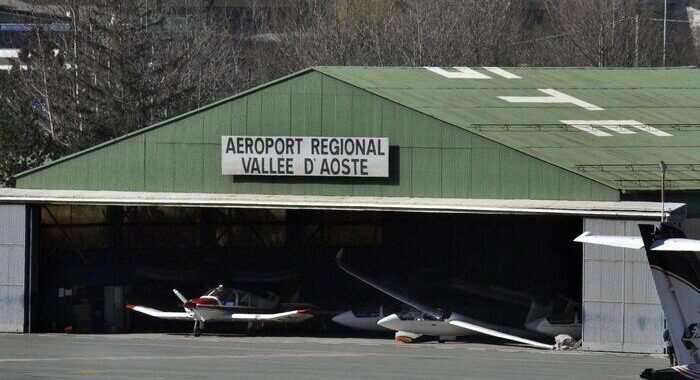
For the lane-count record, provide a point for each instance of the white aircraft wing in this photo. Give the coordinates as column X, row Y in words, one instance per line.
column 676, row 244
column 498, row 334
column 433, row 312
column 632, row 242
column 636, row 242
column 183, row 316
column 292, row 316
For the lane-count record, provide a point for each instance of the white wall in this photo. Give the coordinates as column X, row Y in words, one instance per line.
column 621, row 308
column 12, row 267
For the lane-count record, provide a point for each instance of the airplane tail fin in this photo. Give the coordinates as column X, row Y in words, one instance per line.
column 537, row 310
column 677, row 278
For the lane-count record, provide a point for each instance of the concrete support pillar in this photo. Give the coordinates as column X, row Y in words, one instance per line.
column 621, row 308
column 13, row 253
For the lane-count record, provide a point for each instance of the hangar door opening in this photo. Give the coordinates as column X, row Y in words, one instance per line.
column 93, row 260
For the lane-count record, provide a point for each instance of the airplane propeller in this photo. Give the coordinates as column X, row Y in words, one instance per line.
column 198, row 320
column 180, row 296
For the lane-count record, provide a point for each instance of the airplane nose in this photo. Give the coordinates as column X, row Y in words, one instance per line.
column 389, row 322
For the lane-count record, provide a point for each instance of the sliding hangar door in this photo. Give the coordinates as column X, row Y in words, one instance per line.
column 416, row 172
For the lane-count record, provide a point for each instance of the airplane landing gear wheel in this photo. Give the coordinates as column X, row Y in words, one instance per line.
column 198, row 328
column 253, row 328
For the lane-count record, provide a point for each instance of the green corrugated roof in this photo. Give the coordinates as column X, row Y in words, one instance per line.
column 667, row 99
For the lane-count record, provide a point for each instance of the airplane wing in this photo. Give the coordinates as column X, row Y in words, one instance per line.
column 636, row 242
column 292, row 316
column 632, row 242
column 436, row 313
column 676, row 244
column 498, row 334
column 161, row 314
column 433, row 312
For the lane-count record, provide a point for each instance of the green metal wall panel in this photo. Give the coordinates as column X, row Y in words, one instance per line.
column 160, row 175
column 188, row 131
column 543, row 181
column 514, row 174
column 402, row 186
column 342, row 125
column 429, row 157
column 218, row 121
column 78, row 173
column 426, row 174
column 485, row 169
column 277, row 98
column 425, row 131
column 253, row 114
column 448, row 181
column 187, row 171
column 463, row 173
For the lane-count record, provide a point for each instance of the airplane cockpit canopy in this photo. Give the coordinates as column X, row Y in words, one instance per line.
column 225, row 296
column 413, row 314
column 234, row 297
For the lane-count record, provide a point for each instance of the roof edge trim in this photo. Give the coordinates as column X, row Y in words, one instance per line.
column 349, row 203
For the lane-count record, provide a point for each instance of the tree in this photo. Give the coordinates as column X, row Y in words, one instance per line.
column 613, row 33
column 125, row 65
column 23, row 144
column 387, row 33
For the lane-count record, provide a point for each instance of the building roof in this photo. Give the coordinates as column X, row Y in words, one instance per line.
column 620, row 153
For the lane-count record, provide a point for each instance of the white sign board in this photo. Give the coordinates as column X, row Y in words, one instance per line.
column 305, row 156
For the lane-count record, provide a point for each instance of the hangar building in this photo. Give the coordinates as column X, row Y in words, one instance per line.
column 488, row 175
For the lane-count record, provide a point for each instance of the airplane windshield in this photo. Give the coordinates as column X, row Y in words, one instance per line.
column 414, row 315
column 225, row 296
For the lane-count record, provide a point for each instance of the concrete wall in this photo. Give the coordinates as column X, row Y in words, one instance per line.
column 12, row 267
column 621, row 308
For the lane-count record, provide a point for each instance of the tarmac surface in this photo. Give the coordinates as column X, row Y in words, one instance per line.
column 163, row 356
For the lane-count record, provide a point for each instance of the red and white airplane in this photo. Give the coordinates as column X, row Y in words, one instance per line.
column 231, row 305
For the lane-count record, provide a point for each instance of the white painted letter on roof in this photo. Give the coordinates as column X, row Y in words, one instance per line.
column 554, row 97
column 461, row 73
column 502, row 73
column 614, row 126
